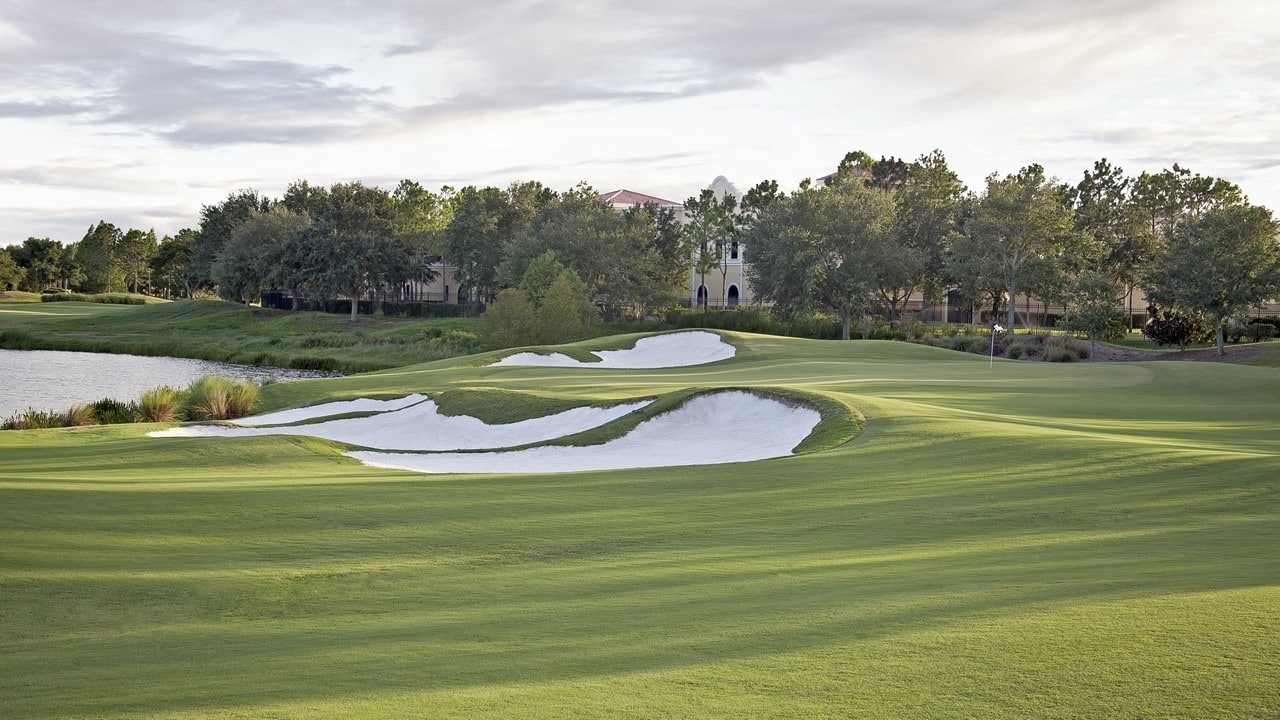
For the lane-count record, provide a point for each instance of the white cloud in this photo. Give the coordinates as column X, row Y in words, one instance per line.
column 204, row 98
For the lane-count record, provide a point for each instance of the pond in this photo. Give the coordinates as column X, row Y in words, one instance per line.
column 55, row 380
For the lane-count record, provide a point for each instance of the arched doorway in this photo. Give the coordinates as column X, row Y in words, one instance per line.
column 733, row 297
column 702, row 296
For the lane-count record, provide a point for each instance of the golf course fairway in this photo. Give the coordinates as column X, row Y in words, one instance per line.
column 954, row 540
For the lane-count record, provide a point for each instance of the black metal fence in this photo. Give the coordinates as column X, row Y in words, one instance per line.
column 390, row 307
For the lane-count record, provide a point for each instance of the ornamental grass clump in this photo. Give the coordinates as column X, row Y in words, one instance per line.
column 1059, row 348
column 242, row 398
column 1028, row 346
column 219, row 398
column 968, row 343
column 32, row 419
column 78, row 415
column 162, row 404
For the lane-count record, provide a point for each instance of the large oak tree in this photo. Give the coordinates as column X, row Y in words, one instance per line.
column 1020, row 225
column 813, row 249
column 1221, row 263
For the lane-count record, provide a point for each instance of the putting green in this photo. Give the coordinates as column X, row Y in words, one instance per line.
column 1024, row 540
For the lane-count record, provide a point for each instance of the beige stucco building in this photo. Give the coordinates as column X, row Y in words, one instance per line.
column 725, row 285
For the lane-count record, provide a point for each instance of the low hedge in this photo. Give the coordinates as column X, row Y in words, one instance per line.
column 106, row 298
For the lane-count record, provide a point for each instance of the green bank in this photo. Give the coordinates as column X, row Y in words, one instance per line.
column 1019, row 540
column 234, row 333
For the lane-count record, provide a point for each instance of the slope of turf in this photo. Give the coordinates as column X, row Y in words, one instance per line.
column 1026, row 540
column 230, row 332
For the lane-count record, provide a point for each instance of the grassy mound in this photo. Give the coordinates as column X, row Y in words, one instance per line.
column 1022, row 540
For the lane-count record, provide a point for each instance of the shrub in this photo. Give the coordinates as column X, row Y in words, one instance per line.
column 109, row 411
column 879, row 329
column 1259, row 331
column 1059, row 348
column 1061, row 355
column 817, row 326
column 1170, row 328
column 566, row 312
column 510, row 321
column 108, row 298
column 970, row 344
column 1025, row 346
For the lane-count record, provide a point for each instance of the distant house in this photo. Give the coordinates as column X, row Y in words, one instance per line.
column 727, row 285
column 723, row 287
column 622, row 199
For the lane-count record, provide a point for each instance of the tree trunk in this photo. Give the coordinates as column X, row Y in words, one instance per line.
column 846, row 321
column 1219, row 339
column 355, row 306
column 1013, row 305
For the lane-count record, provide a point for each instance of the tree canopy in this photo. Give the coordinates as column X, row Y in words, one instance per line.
column 876, row 236
column 1019, row 226
column 1221, row 263
column 813, row 248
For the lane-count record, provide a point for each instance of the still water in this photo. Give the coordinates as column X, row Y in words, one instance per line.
column 49, row 380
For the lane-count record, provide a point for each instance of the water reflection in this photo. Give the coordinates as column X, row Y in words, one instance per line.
column 53, row 380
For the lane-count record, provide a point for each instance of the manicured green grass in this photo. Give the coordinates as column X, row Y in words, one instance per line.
column 229, row 332
column 1025, row 540
column 18, row 296
column 1269, row 358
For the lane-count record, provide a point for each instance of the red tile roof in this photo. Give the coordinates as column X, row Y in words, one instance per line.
column 627, row 198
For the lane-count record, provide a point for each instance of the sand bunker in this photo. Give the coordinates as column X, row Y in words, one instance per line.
column 341, row 407
column 678, row 349
column 710, row 429
column 722, row 427
column 419, row 426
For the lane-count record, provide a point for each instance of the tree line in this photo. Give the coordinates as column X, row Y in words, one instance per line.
column 354, row 241
column 878, row 232
column 864, row 240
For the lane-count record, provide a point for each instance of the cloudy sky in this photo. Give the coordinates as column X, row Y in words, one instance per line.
column 139, row 112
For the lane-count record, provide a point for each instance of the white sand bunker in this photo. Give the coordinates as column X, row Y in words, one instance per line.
column 722, row 427
column 679, row 349
column 341, row 407
column 419, row 426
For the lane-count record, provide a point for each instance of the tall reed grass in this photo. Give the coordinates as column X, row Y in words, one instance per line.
column 162, row 404
column 218, row 398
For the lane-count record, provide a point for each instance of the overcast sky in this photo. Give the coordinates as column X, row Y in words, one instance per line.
column 141, row 112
